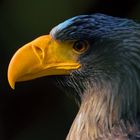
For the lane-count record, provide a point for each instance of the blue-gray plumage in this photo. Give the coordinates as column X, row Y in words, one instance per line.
column 108, row 83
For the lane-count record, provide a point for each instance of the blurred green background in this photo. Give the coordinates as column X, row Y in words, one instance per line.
column 37, row 110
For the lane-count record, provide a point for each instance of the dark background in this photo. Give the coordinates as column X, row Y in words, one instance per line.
column 37, row 110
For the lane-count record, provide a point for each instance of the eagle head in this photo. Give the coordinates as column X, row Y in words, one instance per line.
column 95, row 58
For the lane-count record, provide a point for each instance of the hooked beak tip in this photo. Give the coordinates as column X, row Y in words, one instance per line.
column 12, row 84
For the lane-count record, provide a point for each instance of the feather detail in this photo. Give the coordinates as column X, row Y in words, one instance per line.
column 92, row 123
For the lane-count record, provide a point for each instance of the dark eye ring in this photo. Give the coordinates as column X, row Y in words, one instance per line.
column 80, row 46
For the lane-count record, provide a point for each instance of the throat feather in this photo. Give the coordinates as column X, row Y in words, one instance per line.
column 100, row 116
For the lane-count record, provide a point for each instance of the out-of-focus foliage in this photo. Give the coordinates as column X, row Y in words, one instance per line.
column 27, row 113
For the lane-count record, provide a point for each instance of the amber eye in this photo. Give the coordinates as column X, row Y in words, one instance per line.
column 80, row 46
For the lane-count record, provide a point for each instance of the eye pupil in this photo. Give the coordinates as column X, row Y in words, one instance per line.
column 80, row 46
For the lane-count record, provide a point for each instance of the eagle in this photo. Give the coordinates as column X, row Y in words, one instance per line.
column 96, row 59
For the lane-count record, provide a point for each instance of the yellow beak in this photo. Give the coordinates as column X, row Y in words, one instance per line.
column 42, row 57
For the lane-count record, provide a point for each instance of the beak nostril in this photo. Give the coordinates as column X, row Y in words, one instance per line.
column 38, row 52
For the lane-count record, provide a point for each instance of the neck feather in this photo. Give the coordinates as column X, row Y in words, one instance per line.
column 102, row 115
